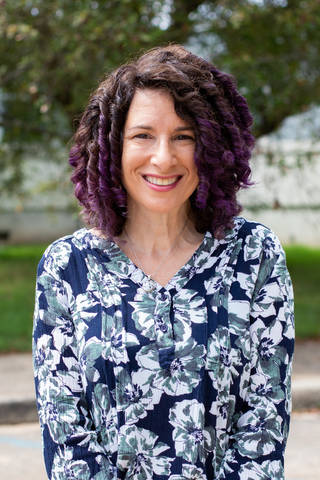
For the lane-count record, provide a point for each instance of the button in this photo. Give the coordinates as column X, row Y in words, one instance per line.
column 160, row 324
column 163, row 296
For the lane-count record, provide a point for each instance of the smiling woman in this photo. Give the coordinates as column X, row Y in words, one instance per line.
column 163, row 333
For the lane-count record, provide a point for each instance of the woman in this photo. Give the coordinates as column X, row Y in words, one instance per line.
column 163, row 335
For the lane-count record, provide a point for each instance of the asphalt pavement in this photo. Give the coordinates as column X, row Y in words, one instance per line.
column 20, row 442
column 21, row 450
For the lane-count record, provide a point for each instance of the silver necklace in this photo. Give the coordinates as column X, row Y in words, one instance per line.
column 149, row 283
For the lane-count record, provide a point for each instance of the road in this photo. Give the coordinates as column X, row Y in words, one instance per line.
column 21, row 456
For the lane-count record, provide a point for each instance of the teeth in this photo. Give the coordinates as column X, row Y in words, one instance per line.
column 161, row 181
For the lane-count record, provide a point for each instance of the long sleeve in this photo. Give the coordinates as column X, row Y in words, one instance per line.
column 258, row 436
column 73, row 445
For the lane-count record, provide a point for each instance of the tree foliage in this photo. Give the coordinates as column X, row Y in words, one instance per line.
column 272, row 48
column 53, row 53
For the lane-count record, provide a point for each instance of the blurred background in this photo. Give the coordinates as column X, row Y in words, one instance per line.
column 52, row 56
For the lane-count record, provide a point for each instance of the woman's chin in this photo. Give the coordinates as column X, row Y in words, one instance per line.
column 159, row 207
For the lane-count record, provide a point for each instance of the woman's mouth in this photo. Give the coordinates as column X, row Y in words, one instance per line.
column 161, row 180
column 162, row 184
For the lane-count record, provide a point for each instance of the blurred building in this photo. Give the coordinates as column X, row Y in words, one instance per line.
column 286, row 194
column 285, row 197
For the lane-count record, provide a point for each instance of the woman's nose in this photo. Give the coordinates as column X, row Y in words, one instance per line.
column 163, row 155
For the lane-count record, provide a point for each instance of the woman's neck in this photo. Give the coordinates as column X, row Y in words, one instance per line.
column 159, row 244
column 154, row 234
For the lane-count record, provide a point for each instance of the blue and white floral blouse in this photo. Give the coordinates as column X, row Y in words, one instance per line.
column 185, row 382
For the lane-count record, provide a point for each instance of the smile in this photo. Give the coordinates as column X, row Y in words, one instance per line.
column 161, row 181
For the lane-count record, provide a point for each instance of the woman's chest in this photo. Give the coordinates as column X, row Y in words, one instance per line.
column 162, row 335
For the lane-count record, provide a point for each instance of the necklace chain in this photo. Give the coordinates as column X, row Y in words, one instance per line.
column 151, row 275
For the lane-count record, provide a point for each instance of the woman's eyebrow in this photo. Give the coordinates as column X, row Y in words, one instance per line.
column 181, row 129
column 143, row 127
column 147, row 127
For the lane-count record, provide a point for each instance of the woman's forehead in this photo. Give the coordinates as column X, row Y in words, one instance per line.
column 153, row 104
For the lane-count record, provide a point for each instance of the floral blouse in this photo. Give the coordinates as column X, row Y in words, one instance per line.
column 190, row 381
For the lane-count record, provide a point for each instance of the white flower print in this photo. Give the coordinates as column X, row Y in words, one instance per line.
column 189, row 472
column 134, row 395
column 265, row 471
column 258, row 431
column 65, row 468
column 175, row 370
column 187, row 382
column 222, row 360
column 140, row 454
column 57, row 257
column 45, row 358
column 57, row 408
column 192, row 440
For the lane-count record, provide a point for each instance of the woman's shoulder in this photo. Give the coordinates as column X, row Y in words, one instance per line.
column 57, row 255
column 257, row 236
column 249, row 228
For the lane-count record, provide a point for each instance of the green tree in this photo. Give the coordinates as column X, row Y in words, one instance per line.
column 272, row 48
column 52, row 54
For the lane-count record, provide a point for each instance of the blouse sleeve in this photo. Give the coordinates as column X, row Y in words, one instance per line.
column 72, row 445
column 258, row 439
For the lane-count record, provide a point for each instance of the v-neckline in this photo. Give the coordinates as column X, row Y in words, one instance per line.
column 127, row 268
column 154, row 284
column 120, row 264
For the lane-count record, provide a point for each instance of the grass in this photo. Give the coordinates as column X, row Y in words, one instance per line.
column 18, row 266
column 17, row 283
column 304, row 267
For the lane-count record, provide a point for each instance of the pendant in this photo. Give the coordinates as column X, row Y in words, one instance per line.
column 148, row 285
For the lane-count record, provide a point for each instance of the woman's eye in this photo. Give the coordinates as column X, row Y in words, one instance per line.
column 184, row 137
column 142, row 135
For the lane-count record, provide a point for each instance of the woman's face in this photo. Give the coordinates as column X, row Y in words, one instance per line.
column 158, row 169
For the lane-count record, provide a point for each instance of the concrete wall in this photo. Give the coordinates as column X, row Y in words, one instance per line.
column 292, row 227
column 294, row 191
column 36, row 227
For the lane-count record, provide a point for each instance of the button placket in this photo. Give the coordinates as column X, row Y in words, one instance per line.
column 163, row 327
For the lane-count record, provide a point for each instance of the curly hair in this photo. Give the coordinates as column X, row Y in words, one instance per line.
column 206, row 97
